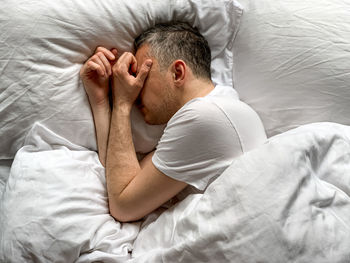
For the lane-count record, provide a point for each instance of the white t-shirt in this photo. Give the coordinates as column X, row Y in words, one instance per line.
column 200, row 140
column 203, row 138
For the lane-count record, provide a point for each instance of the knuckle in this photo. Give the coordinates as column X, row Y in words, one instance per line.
column 144, row 72
column 138, row 84
column 129, row 54
column 116, row 70
column 94, row 57
column 145, row 69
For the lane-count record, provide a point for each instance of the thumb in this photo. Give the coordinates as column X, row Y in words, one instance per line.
column 144, row 70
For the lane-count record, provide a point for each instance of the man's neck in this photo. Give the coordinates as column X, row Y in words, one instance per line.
column 195, row 89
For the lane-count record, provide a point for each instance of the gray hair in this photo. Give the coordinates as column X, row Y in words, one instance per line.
column 178, row 40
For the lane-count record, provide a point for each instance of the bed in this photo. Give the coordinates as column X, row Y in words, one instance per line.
column 286, row 200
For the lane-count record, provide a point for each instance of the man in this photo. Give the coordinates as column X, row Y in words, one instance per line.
column 169, row 78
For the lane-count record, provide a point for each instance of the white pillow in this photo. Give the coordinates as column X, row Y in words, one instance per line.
column 292, row 61
column 54, row 207
column 46, row 43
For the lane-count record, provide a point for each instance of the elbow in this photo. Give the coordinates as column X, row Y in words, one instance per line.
column 122, row 213
column 120, row 216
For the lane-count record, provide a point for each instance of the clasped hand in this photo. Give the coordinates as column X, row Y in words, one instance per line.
column 127, row 78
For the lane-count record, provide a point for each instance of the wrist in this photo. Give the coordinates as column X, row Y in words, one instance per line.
column 98, row 103
column 122, row 107
column 101, row 108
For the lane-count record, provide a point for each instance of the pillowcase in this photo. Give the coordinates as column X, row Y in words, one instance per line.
column 47, row 42
column 54, row 207
column 292, row 61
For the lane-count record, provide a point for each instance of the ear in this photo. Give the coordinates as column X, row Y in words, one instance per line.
column 179, row 72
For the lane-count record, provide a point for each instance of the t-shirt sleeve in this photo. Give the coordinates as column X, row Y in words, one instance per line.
column 198, row 143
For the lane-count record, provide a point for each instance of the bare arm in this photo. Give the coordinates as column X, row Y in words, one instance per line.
column 133, row 191
column 102, row 116
column 95, row 75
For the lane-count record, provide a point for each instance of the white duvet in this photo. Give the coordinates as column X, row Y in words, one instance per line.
column 286, row 201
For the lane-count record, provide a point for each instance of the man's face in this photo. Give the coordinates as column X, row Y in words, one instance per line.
column 156, row 100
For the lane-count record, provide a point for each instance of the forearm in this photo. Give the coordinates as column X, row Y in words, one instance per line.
column 95, row 74
column 122, row 164
column 102, row 118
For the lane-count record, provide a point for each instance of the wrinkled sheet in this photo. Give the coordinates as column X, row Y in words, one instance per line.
column 286, row 201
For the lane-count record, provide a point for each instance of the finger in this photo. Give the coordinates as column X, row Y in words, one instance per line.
column 126, row 62
column 109, row 54
column 105, row 62
column 127, row 58
column 134, row 68
column 98, row 61
column 96, row 67
column 144, row 70
column 115, row 52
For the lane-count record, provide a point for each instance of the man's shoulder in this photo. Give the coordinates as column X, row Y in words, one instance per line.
column 216, row 104
column 200, row 113
column 197, row 108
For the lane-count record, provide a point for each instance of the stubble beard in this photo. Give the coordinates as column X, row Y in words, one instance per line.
column 163, row 111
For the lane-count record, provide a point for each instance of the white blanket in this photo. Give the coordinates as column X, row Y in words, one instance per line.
column 54, row 207
column 286, row 201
